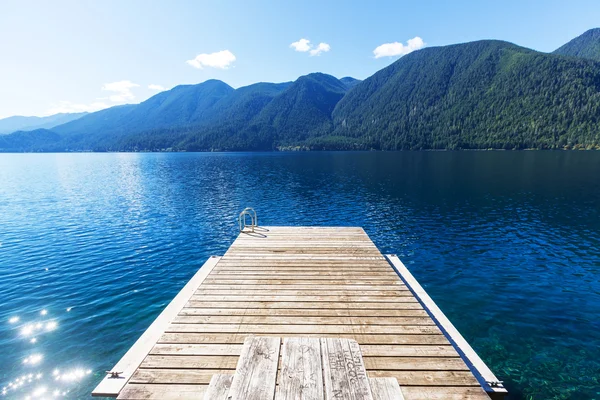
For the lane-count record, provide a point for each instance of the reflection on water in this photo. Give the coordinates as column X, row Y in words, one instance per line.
column 38, row 377
column 506, row 243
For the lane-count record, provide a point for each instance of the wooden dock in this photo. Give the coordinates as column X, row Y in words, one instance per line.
column 308, row 282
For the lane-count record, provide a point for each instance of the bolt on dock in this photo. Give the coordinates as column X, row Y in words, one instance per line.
column 297, row 283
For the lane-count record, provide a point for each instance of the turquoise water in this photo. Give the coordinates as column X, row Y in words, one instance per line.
column 93, row 246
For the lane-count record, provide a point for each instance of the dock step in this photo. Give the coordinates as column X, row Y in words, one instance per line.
column 311, row 369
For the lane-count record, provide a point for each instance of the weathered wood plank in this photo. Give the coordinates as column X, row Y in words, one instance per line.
column 284, row 312
column 277, row 320
column 387, row 354
column 347, row 288
column 363, row 339
column 313, row 299
column 219, row 386
column 302, row 329
column 187, row 359
column 320, row 277
column 406, row 378
column 407, row 303
column 263, row 281
column 307, row 292
column 385, row 389
column 162, row 392
column 256, row 370
column 301, row 375
column 344, row 373
column 444, row 393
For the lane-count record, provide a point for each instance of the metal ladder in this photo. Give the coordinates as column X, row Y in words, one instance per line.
column 248, row 211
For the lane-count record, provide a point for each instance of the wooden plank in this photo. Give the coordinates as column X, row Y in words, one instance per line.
column 407, row 303
column 188, row 349
column 444, row 393
column 385, row 389
column 284, row 312
column 312, row 299
column 286, row 330
column 163, row 392
column 344, row 373
column 290, row 292
column 381, row 352
column 249, row 282
column 300, row 269
column 156, row 376
column 363, row 339
column 218, row 389
column 480, row 370
column 406, row 378
column 364, row 278
column 110, row 387
column 188, row 359
column 276, row 320
column 431, row 378
column 305, row 274
column 301, row 370
column 256, row 371
column 348, row 288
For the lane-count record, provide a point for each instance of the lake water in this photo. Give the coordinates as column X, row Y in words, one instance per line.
column 93, row 246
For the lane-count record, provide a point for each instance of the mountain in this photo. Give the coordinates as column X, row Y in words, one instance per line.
column 179, row 107
column 278, row 116
column 18, row 123
column 349, row 81
column 302, row 110
column 478, row 95
column 28, row 141
column 487, row 94
column 584, row 46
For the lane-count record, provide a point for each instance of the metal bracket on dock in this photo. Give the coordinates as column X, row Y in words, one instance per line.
column 114, row 374
column 248, row 211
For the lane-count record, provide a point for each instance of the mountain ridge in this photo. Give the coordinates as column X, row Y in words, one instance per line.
column 21, row 123
column 487, row 94
column 586, row 45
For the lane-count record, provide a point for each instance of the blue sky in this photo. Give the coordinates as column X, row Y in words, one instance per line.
column 84, row 55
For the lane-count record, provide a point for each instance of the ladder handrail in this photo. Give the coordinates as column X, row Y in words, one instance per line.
column 253, row 219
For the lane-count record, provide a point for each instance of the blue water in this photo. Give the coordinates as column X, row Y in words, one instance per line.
column 93, row 246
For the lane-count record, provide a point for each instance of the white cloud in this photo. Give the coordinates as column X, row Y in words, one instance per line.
column 221, row 59
column 122, row 90
column 302, row 45
column 398, row 49
column 154, row 86
column 321, row 48
column 70, row 107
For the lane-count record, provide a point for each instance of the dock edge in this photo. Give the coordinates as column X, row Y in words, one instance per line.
column 127, row 365
column 486, row 378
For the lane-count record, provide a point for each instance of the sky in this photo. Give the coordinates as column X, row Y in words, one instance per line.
column 80, row 55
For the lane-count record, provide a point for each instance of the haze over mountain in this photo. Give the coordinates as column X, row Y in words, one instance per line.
column 18, row 123
column 586, row 45
column 487, row 94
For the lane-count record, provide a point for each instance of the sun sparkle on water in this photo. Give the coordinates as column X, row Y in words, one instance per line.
column 38, row 382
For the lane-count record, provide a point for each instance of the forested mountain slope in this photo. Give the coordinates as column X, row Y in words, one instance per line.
column 585, row 46
column 479, row 95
